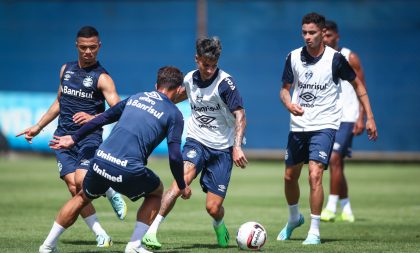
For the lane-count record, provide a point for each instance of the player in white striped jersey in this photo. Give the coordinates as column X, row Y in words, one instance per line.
column 215, row 132
column 314, row 72
column 351, row 124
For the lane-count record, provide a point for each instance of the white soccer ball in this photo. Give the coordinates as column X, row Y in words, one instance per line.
column 251, row 236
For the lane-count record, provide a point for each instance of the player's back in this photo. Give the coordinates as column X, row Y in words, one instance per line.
column 147, row 119
column 79, row 93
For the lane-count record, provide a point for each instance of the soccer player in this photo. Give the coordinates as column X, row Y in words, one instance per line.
column 84, row 87
column 144, row 120
column 351, row 124
column 314, row 71
column 215, row 132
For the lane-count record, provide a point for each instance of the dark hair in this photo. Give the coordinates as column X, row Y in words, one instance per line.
column 331, row 25
column 315, row 18
column 169, row 77
column 209, row 48
column 87, row 32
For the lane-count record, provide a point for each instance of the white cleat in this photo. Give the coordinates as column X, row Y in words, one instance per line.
column 48, row 249
column 130, row 249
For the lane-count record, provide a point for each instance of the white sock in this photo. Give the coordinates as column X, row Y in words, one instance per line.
column 93, row 224
column 217, row 223
column 315, row 220
column 332, row 203
column 54, row 234
column 294, row 213
column 155, row 224
column 110, row 193
column 345, row 206
column 139, row 231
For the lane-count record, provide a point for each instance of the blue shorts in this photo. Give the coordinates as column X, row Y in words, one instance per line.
column 78, row 157
column 214, row 165
column 344, row 139
column 134, row 183
column 305, row 146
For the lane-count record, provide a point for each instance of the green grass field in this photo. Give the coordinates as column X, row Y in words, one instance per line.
column 385, row 199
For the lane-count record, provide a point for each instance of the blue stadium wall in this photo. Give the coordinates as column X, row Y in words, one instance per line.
column 138, row 37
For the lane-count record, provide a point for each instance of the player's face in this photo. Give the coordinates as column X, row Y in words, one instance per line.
column 312, row 35
column 88, row 49
column 331, row 38
column 207, row 67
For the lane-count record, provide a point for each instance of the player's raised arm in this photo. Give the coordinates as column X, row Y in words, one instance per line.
column 49, row 116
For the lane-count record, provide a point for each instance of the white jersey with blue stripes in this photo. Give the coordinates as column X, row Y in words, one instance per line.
column 348, row 98
column 211, row 122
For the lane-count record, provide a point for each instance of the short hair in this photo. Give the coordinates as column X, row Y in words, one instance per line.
column 315, row 18
column 169, row 77
column 331, row 25
column 209, row 48
column 87, row 32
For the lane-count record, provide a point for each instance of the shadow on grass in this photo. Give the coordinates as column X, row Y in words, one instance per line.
column 195, row 247
column 93, row 243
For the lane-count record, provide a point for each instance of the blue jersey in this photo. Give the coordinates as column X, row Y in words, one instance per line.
column 144, row 120
column 79, row 93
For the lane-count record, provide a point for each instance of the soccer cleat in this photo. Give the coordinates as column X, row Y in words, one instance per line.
column 47, row 249
column 151, row 241
column 119, row 206
column 312, row 239
column 346, row 217
column 327, row 216
column 130, row 249
column 104, row 241
column 222, row 235
column 286, row 232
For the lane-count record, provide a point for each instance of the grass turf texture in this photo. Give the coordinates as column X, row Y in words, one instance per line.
column 385, row 201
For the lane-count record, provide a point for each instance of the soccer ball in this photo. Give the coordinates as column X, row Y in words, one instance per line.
column 251, row 236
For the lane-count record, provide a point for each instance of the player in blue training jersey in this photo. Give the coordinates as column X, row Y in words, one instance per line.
column 314, row 71
column 84, row 87
column 215, row 132
column 352, row 121
column 144, row 120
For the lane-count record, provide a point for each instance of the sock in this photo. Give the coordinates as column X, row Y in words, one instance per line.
column 217, row 223
column 345, row 206
column 110, row 193
column 139, row 231
column 332, row 203
column 294, row 213
column 93, row 224
column 315, row 220
column 54, row 234
column 155, row 225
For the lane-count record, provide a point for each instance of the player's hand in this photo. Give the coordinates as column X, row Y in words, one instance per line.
column 82, row 118
column 59, row 142
column 239, row 157
column 358, row 127
column 296, row 109
column 30, row 132
column 186, row 192
column 371, row 129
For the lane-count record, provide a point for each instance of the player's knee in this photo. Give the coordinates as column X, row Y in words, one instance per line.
column 213, row 208
column 315, row 178
column 158, row 192
column 72, row 189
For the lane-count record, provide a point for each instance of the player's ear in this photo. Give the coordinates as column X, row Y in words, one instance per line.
column 156, row 87
column 196, row 59
column 100, row 44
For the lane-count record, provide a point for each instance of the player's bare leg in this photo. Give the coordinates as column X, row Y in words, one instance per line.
column 145, row 215
column 214, row 207
column 316, row 198
column 168, row 202
column 292, row 192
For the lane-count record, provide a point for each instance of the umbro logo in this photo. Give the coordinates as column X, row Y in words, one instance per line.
column 153, row 95
column 322, row 154
column 307, row 96
column 205, row 119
